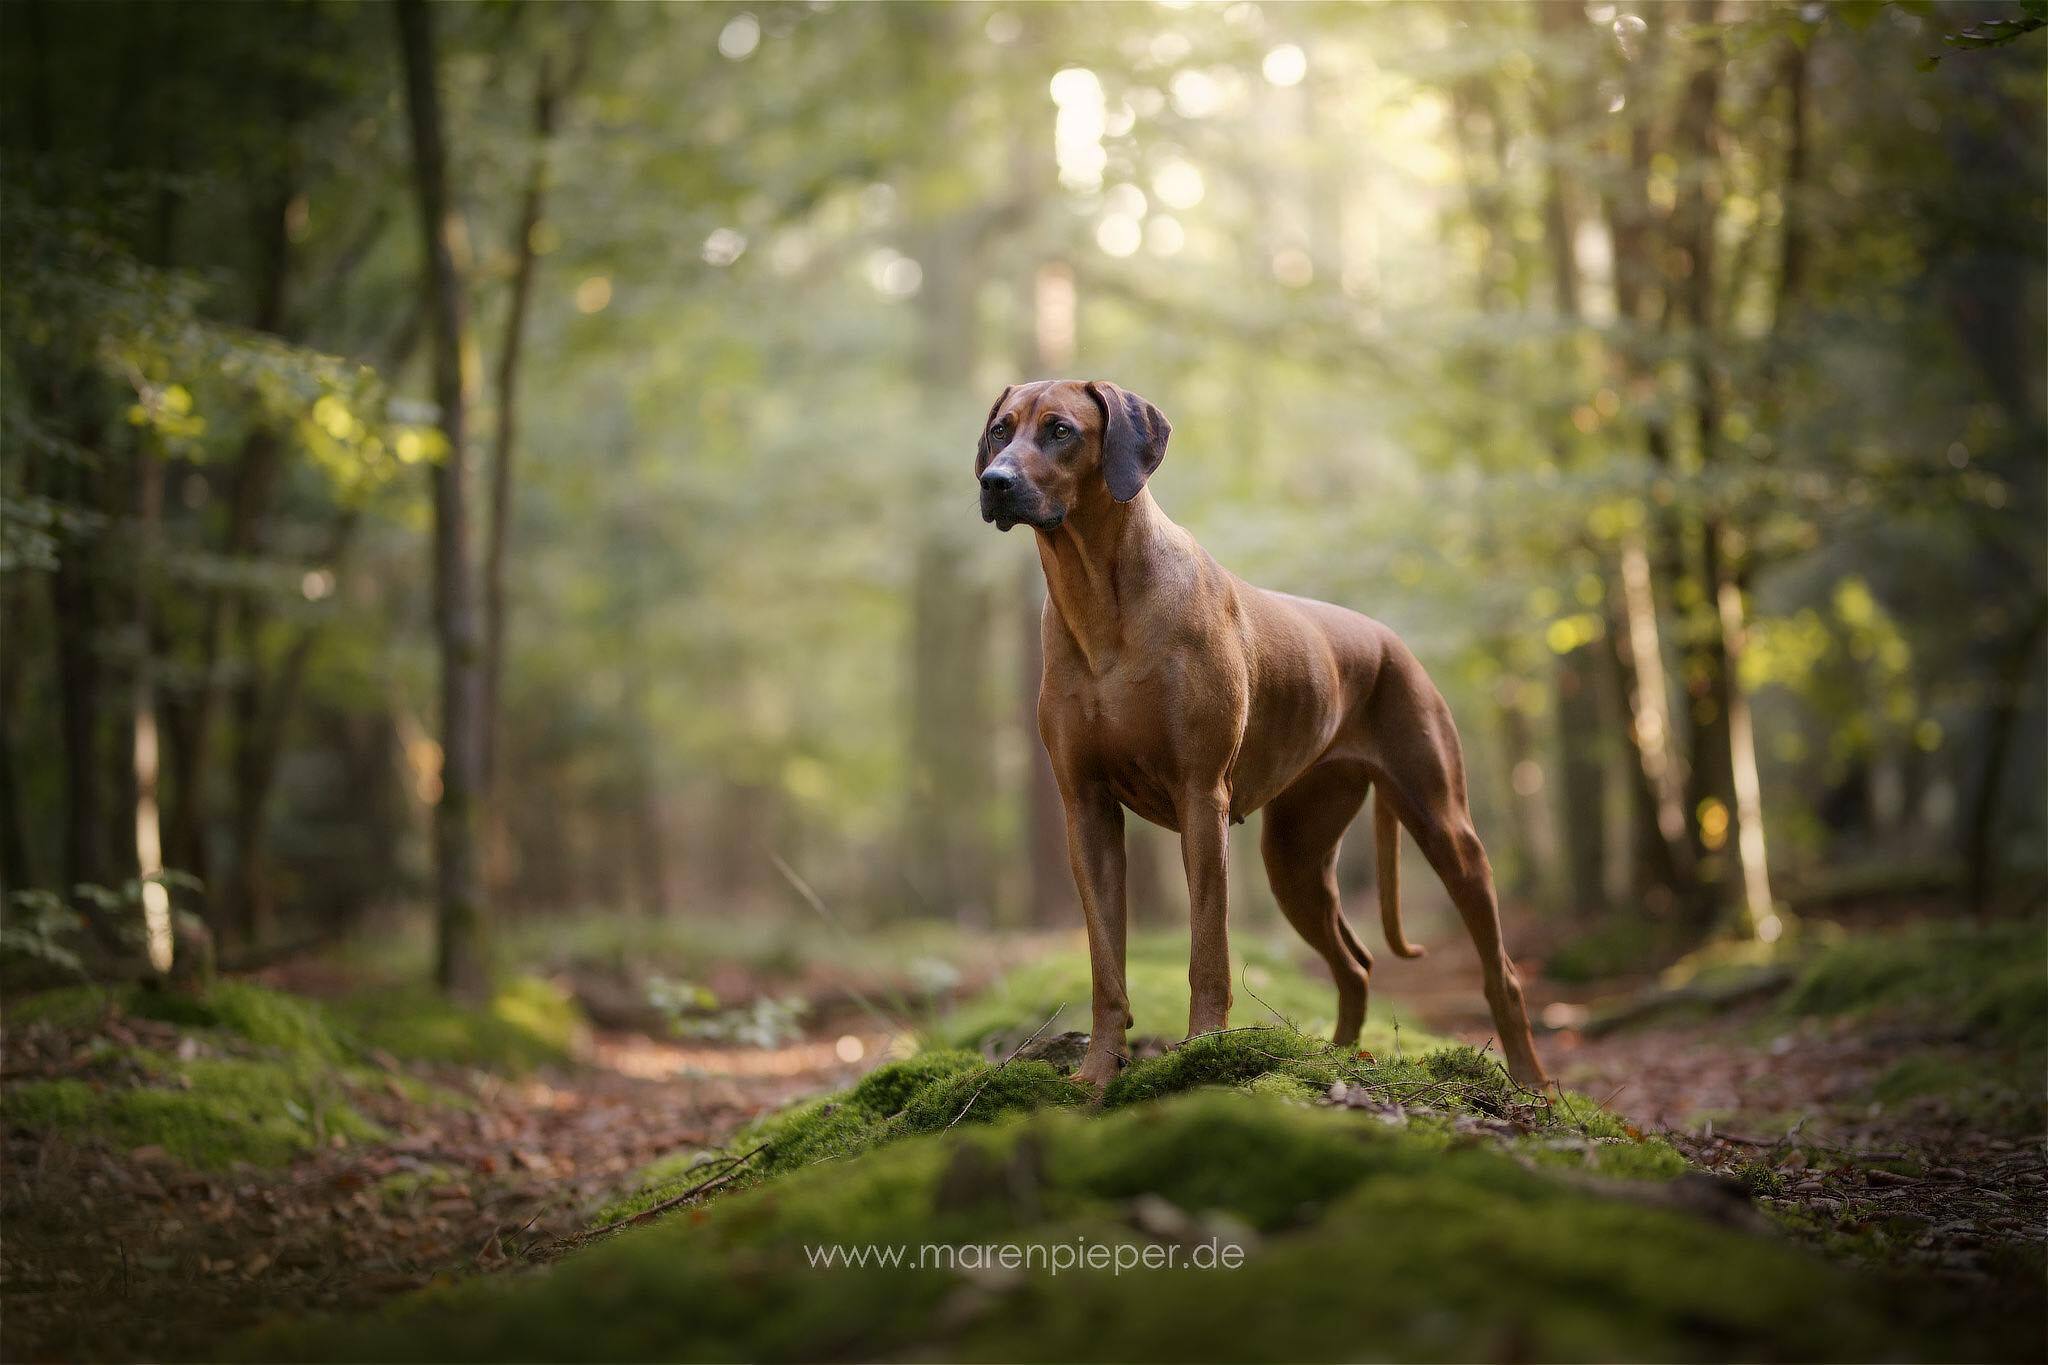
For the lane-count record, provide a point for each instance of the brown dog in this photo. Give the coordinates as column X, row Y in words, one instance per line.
column 1193, row 698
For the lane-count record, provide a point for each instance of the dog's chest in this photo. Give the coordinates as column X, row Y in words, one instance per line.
column 1130, row 725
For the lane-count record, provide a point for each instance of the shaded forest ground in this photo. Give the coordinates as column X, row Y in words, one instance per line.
column 180, row 1170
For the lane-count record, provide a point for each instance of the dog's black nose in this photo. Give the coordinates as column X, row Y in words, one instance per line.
column 997, row 482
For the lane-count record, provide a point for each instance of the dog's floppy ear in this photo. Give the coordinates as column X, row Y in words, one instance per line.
column 1133, row 439
column 984, row 449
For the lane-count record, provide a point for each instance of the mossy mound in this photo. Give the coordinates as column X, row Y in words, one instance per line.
column 1441, row 1094
column 273, row 1075
column 527, row 1023
column 1356, row 1239
column 209, row 1113
column 1986, row 982
column 273, row 1019
column 887, row 1089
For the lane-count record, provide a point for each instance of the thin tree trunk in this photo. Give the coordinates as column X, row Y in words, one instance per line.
column 1712, row 766
column 1650, row 706
column 1581, row 677
column 149, row 849
column 459, row 967
column 1981, row 833
column 75, row 613
column 261, row 741
column 498, row 527
column 17, row 870
column 1535, row 876
column 1053, row 901
column 258, row 467
column 951, row 734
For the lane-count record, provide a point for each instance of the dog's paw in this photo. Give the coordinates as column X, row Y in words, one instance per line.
column 1096, row 1071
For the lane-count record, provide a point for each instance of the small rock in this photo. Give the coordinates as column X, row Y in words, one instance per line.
column 1161, row 1219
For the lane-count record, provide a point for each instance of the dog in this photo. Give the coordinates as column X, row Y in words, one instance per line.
column 1175, row 690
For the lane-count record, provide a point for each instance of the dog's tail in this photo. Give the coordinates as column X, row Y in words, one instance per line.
column 1386, row 830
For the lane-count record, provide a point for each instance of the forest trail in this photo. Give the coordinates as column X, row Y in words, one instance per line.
column 492, row 1173
column 1811, row 1114
column 129, row 1254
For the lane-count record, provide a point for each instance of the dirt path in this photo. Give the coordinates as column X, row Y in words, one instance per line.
column 1919, row 1185
column 122, row 1255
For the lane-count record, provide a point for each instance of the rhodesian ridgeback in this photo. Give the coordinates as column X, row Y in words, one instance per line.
column 1177, row 690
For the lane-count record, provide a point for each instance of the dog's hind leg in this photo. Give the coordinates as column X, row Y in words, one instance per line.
column 1303, row 827
column 1420, row 768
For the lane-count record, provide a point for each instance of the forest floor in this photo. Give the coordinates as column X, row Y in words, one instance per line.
column 1876, row 1135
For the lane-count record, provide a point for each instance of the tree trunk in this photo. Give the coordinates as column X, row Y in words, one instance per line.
column 951, row 734
column 1981, row 852
column 1584, row 781
column 1712, row 765
column 258, row 467
column 1650, row 710
column 546, row 96
column 1535, row 870
column 260, row 740
column 17, row 870
column 158, row 939
column 1053, row 901
column 1760, row 919
column 75, row 616
column 459, row 967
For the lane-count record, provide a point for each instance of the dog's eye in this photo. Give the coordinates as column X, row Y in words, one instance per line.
column 1059, row 431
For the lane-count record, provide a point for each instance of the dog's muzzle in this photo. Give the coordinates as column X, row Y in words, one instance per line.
column 1008, row 501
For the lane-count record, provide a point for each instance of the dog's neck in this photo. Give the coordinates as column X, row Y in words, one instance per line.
column 1097, row 563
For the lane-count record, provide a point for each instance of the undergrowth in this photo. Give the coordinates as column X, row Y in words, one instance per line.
column 261, row 1076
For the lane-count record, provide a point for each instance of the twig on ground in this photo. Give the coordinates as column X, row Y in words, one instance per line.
column 735, row 1166
column 1005, row 1062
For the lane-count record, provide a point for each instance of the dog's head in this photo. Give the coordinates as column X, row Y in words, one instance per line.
column 1048, row 447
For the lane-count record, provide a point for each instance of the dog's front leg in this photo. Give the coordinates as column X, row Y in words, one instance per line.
column 1205, row 854
column 1095, row 848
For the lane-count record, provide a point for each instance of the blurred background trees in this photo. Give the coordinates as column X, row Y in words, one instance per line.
column 1670, row 376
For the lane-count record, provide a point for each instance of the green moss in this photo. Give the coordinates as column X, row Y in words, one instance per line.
column 823, row 1130
column 528, row 1023
column 1998, row 1092
column 285, row 1022
column 67, row 1007
column 39, row 1105
column 1369, row 1241
column 988, row 1093
column 1989, row 981
column 209, row 1113
column 887, row 1089
column 1232, row 1058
